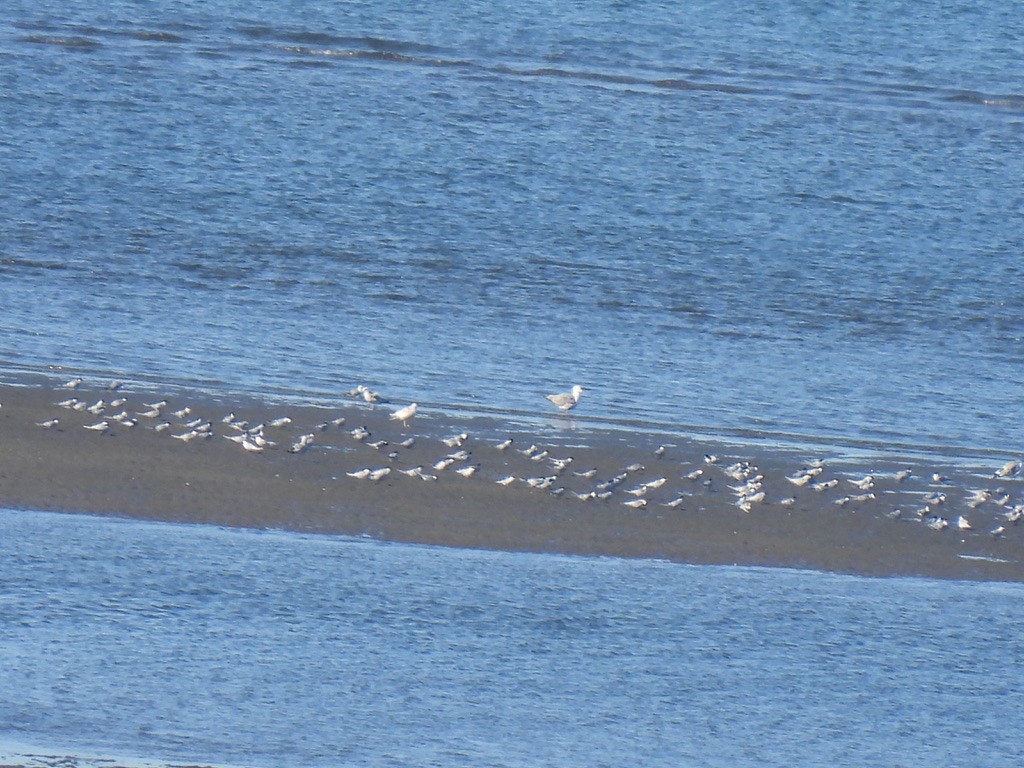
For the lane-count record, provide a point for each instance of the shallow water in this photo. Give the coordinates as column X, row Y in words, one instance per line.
column 185, row 643
column 802, row 220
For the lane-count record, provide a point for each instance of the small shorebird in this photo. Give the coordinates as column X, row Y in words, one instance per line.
column 99, row 426
column 566, row 401
column 72, row 384
column 404, row 414
column 281, row 422
column 48, row 424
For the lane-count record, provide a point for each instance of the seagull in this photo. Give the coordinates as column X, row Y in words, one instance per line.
column 468, row 471
column 504, row 444
column 99, row 426
column 903, row 474
column 963, row 524
column 360, row 474
column 636, row 503
column 1009, row 468
column 281, row 422
column 507, row 480
column 73, row 384
column 48, row 424
column 404, row 414
column 378, row 474
column 566, row 401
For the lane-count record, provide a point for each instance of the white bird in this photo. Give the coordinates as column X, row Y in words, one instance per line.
column 455, row 441
column 504, row 444
column 566, row 401
column 99, row 426
column 73, row 384
column 468, row 471
column 360, row 474
column 636, row 503
column 404, row 414
column 48, row 424
column 903, row 474
column 963, row 524
column 866, row 483
column 281, row 422
column 378, row 474
column 507, row 480
column 247, row 444
column 1009, row 468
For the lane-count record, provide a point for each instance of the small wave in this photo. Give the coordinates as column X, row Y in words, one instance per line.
column 33, row 264
column 988, row 100
column 71, row 43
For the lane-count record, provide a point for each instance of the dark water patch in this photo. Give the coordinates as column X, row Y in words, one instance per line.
column 14, row 263
column 1012, row 102
column 84, row 44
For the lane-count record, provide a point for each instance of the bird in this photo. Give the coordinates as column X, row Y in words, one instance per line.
column 566, row 401
column 99, row 426
column 866, row 483
column 281, row 422
column 504, row 444
column 1009, row 468
column 404, row 414
column 72, row 384
column 636, row 503
column 48, row 424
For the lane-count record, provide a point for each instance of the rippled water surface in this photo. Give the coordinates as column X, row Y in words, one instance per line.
column 801, row 219
column 181, row 643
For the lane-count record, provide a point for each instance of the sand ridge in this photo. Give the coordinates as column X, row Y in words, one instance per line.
column 588, row 493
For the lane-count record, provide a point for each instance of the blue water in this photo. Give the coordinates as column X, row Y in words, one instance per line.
column 803, row 218
column 185, row 643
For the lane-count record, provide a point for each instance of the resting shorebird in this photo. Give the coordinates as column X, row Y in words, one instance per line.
column 566, row 401
column 404, row 414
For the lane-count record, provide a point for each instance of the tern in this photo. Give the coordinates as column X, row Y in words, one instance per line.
column 566, row 401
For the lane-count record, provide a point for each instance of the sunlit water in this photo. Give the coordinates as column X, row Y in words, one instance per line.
column 186, row 643
column 802, row 219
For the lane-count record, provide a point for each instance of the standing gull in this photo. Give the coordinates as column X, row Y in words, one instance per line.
column 404, row 414
column 566, row 401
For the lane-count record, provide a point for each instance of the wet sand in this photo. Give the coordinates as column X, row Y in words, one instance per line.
column 139, row 472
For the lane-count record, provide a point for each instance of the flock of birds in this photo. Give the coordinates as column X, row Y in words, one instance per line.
column 664, row 483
